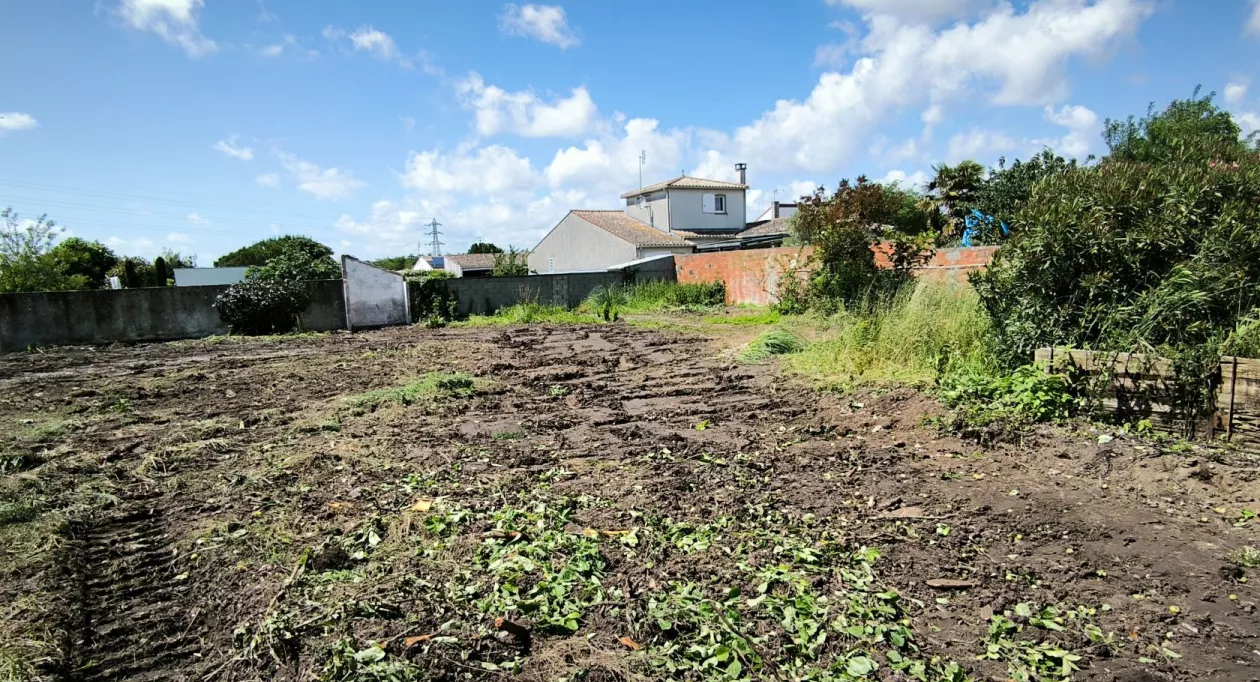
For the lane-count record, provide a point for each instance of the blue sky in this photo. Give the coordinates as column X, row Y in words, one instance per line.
column 204, row 125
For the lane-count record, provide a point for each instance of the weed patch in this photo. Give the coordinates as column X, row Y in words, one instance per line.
column 529, row 313
column 431, row 387
column 772, row 342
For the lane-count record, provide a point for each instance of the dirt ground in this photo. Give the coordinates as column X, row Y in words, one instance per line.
column 603, row 502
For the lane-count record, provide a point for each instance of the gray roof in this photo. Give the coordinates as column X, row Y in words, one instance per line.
column 685, row 182
column 473, row 261
column 775, row 226
column 622, row 226
column 706, row 234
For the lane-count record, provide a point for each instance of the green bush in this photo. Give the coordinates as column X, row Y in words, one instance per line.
column 770, row 343
column 654, row 296
column 432, row 301
column 259, row 307
column 1028, row 392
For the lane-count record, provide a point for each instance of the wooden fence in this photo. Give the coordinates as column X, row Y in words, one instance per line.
column 1141, row 387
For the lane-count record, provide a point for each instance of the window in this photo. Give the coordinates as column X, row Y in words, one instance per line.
column 713, row 203
column 551, row 265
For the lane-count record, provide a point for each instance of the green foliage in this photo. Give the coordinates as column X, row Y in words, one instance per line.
column 1033, row 642
column 653, row 296
column 511, row 263
column 484, row 247
column 175, row 260
column 843, row 227
column 27, row 258
column 1009, row 401
column 395, row 263
column 296, row 265
column 772, row 342
column 955, row 191
column 91, row 261
column 1244, row 341
column 531, row 312
column 1154, row 249
column 1007, row 189
column 263, row 306
column 133, row 273
column 925, row 330
column 432, row 301
column 258, row 253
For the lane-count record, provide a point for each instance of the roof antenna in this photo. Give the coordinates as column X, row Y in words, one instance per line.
column 642, row 160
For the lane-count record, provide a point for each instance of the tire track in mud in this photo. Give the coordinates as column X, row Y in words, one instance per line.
column 130, row 621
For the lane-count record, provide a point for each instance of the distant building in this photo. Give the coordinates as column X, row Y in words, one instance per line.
column 199, row 277
column 595, row 240
column 427, row 263
column 470, row 264
column 777, row 209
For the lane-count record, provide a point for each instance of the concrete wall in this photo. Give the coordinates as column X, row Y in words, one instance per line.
column 576, row 245
column 484, row 295
column 200, row 277
column 752, row 276
column 375, row 297
column 151, row 314
column 686, row 210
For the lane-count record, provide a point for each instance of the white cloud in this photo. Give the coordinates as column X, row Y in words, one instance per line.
column 1020, row 58
column 916, row 180
column 931, row 116
column 139, row 246
column 272, row 50
column 489, row 171
column 196, row 219
column 321, row 183
column 914, row 11
column 524, row 113
column 230, row 148
column 546, row 23
column 174, row 21
column 178, row 238
column 268, row 180
column 1235, row 93
column 1083, row 128
column 14, row 121
column 978, row 145
column 368, row 39
column 1253, row 24
column 609, row 165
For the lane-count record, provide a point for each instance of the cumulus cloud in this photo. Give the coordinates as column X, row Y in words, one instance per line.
column 546, row 23
column 1018, row 58
column 174, row 21
column 321, row 183
column 1235, row 97
column 382, row 46
column 13, row 121
column 230, row 148
column 524, row 113
column 916, row 180
column 487, row 171
column 1253, row 23
column 914, row 11
column 1083, row 128
column 609, row 165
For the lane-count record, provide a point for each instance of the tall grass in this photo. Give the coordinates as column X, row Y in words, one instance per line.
column 529, row 312
column 925, row 331
column 655, row 296
column 770, row 343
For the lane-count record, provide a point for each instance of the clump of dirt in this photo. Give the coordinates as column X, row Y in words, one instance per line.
column 599, row 503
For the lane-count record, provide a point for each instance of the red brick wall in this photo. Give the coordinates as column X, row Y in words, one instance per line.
column 752, row 276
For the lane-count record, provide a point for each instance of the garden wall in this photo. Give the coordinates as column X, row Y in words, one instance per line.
column 752, row 276
column 151, row 314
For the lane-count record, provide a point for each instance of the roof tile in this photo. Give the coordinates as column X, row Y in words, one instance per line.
column 622, row 226
column 685, row 182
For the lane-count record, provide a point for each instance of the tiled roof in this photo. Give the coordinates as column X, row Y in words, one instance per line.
column 775, row 226
column 685, row 182
column 473, row 261
column 706, row 234
column 622, row 226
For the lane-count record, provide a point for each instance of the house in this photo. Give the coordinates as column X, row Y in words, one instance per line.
column 595, row 240
column 470, row 264
column 198, row 277
column 428, row 263
column 679, row 215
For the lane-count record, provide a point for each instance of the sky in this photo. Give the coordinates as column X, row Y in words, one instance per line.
column 205, row 125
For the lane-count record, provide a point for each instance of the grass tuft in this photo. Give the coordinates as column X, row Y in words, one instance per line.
column 529, row 313
column 432, row 386
column 772, row 342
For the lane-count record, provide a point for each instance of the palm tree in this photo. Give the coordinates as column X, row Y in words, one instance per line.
column 954, row 190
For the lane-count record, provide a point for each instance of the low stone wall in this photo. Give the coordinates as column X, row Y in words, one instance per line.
column 752, row 277
column 151, row 314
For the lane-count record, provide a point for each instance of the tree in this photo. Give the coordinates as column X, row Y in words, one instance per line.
column 259, row 253
column 395, row 262
column 160, row 274
column 484, row 247
column 133, row 273
column 1155, row 248
column 175, row 260
column 1007, row 189
column 955, row 189
column 844, row 226
column 511, row 263
column 27, row 262
column 296, row 266
column 90, row 260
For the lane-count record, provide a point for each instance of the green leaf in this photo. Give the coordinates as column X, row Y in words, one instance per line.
column 860, row 666
column 372, row 654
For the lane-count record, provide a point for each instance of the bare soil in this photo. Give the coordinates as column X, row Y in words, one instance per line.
column 191, row 510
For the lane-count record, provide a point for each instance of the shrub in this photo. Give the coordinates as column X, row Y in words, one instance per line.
column 432, row 302
column 262, row 306
column 770, row 343
column 654, row 296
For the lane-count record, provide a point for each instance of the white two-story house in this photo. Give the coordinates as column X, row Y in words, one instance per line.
column 675, row 216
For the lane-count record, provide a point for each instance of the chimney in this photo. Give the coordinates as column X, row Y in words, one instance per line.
column 742, row 169
column 775, row 212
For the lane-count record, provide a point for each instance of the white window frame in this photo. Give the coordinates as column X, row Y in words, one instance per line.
column 716, row 202
column 719, row 203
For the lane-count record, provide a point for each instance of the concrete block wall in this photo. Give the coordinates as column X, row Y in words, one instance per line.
column 485, row 295
column 127, row 315
column 752, row 277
